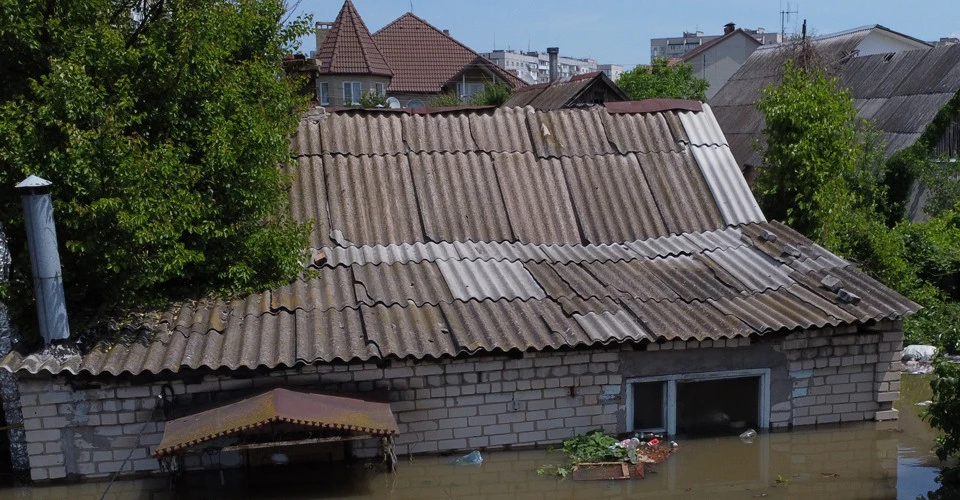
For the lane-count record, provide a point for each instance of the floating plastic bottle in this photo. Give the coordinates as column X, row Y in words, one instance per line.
column 472, row 458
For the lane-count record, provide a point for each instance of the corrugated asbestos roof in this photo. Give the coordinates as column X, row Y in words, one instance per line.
column 591, row 234
column 332, row 413
column 900, row 93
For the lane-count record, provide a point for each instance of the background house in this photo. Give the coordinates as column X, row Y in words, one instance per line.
column 677, row 47
column 582, row 90
column 534, row 66
column 717, row 60
column 408, row 59
column 500, row 277
column 899, row 92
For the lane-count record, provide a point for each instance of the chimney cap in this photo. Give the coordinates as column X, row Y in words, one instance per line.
column 553, row 50
column 33, row 182
column 446, row 32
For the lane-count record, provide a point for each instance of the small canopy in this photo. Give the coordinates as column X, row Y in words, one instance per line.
column 279, row 405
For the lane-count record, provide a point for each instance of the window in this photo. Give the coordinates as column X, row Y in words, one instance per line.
column 351, row 93
column 701, row 403
column 381, row 91
column 324, row 94
column 415, row 103
column 469, row 89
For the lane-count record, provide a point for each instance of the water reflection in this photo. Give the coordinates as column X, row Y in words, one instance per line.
column 850, row 461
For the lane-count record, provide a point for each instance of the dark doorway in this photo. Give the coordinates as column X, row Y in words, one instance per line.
column 720, row 406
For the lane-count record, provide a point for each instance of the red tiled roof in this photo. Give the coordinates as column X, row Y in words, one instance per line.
column 424, row 59
column 349, row 48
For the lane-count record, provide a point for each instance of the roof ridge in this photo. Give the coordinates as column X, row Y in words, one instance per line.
column 331, row 50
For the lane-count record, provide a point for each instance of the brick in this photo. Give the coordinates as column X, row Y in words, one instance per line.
column 46, row 398
column 886, row 415
column 604, row 357
column 492, row 430
column 44, row 435
column 462, row 411
column 451, row 423
column 888, row 396
column 46, row 460
column 482, row 420
column 531, row 437
column 453, row 444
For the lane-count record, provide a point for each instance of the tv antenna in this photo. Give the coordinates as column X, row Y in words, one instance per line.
column 784, row 18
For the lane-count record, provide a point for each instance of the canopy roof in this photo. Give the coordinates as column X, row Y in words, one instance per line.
column 278, row 405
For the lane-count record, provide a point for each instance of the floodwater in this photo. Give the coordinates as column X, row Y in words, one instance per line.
column 849, row 461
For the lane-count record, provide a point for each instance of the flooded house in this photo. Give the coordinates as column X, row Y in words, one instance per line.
column 484, row 279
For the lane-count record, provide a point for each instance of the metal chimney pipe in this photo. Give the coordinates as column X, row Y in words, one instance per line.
column 553, row 53
column 44, row 258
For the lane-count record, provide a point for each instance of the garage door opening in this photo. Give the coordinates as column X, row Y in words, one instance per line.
column 700, row 404
column 722, row 406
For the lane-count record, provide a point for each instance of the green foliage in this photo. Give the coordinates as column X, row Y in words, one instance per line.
column 493, row 94
column 448, row 100
column 942, row 412
column 371, row 99
column 594, row 446
column 162, row 132
column 662, row 80
column 814, row 156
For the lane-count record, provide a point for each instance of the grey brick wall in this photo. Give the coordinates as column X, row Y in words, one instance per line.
column 490, row 402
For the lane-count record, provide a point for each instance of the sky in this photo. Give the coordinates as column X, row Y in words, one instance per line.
column 619, row 31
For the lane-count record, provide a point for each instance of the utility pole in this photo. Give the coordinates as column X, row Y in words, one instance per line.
column 784, row 17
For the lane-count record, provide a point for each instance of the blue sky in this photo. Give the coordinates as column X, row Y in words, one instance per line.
column 619, row 31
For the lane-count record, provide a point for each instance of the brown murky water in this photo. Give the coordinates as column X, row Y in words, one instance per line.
column 862, row 461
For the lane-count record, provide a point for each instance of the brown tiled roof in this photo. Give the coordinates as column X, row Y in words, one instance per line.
column 349, row 48
column 424, row 59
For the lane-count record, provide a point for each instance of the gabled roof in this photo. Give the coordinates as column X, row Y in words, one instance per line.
column 424, row 59
column 899, row 92
column 563, row 93
column 463, row 232
column 349, row 49
column 716, row 41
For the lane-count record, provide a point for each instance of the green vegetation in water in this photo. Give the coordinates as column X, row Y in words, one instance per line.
column 594, row 446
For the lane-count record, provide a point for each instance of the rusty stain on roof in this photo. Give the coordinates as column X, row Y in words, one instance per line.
column 319, row 411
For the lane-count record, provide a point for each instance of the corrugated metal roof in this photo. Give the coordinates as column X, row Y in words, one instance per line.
column 445, row 132
column 372, row 200
column 357, row 133
column 682, row 196
column 504, row 130
column 278, row 405
column 389, row 254
column 417, row 283
column 437, row 253
column 900, row 93
column 568, row 132
column 536, row 197
column 643, row 133
column 702, row 128
column 459, row 197
column 612, row 198
column 727, row 185
column 489, row 279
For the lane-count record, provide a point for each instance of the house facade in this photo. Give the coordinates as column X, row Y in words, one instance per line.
column 499, row 278
column 534, row 66
column 717, row 60
column 408, row 60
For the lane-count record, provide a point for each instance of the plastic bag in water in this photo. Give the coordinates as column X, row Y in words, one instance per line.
column 472, row 458
column 748, row 435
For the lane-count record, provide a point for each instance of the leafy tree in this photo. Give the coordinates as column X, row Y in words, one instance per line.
column 371, row 99
column 448, row 100
column 663, row 80
column 493, row 94
column 162, row 130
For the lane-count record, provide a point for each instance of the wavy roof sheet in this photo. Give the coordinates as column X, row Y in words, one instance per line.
column 900, row 92
column 429, row 252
